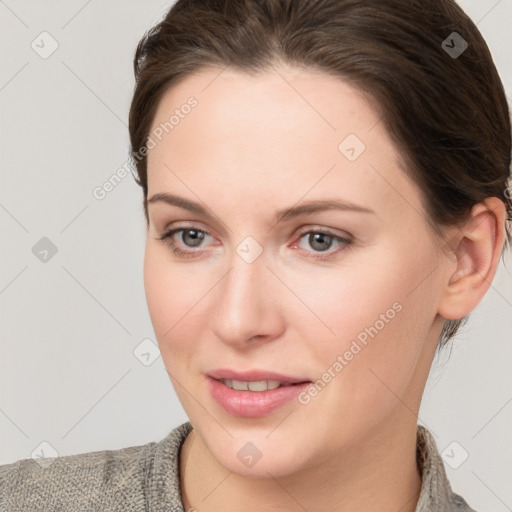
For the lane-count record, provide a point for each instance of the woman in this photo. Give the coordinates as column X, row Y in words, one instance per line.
column 325, row 189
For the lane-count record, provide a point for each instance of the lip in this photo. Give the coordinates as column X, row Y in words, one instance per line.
column 253, row 375
column 253, row 404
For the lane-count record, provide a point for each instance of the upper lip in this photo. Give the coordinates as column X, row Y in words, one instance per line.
column 254, row 375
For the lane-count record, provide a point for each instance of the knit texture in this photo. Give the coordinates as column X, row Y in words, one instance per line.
column 146, row 479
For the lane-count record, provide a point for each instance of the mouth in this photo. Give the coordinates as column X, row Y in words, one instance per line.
column 255, row 376
column 255, row 393
column 256, row 385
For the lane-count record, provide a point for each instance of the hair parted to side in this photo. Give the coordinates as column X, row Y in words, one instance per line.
column 448, row 116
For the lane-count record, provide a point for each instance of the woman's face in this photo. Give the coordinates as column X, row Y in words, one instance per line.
column 343, row 297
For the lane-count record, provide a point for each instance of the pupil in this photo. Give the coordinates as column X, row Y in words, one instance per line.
column 320, row 237
column 196, row 237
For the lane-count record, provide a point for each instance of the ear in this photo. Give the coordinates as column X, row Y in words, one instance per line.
column 474, row 250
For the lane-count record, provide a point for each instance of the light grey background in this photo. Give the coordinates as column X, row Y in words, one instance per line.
column 69, row 326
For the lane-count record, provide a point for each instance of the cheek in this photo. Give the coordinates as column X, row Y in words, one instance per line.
column 173, row 300
column 344, row 301
column 178, row 295
column 377, row 310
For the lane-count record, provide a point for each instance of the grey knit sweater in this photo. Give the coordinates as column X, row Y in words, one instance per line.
column 146, row 479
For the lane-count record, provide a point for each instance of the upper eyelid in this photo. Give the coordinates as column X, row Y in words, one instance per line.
column 195, row 225
column 326, row 230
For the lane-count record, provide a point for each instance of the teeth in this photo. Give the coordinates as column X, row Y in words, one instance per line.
column 258, row 385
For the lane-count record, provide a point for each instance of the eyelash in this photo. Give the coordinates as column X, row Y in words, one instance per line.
column 167, row 239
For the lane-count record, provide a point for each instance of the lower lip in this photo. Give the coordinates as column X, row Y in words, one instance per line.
column 253, row 404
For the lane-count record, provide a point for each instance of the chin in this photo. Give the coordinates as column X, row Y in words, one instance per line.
column 253, row 453
column 275, row 463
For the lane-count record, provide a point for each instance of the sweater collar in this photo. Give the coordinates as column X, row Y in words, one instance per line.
column 163, row 475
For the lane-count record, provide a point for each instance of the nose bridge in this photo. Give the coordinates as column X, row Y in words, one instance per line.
column 242, row 308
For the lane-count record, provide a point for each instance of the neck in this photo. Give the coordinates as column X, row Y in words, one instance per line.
column 379, row 473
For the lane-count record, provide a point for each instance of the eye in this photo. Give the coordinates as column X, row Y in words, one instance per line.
column 191, row 236
column 322, row 240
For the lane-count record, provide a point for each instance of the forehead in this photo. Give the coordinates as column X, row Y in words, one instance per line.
column 304, row 103
column 283, row 129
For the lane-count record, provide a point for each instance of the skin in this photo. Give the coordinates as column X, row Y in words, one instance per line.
column 253, row 145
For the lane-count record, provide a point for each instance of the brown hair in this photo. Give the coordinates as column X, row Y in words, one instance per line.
column 447, row 112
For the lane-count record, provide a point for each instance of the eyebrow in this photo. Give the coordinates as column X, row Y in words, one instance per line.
column 305, row 208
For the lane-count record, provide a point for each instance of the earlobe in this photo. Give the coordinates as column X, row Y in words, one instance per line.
column 476, row 252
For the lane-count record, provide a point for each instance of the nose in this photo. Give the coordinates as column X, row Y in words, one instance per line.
column 246, row 305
